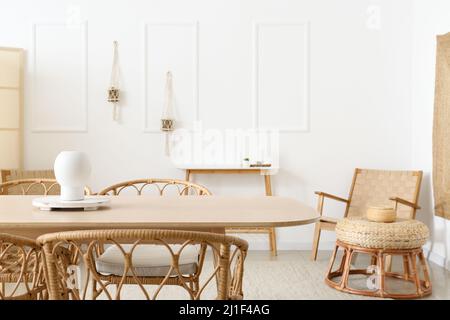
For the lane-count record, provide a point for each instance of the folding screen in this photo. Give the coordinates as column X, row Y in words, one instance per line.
column 11, row 101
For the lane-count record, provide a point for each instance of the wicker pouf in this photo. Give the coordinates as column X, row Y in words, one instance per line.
column 381, row 241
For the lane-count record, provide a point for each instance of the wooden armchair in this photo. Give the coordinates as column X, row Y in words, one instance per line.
column 399, row 189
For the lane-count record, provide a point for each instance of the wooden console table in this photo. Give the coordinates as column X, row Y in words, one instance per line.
column 265, row 172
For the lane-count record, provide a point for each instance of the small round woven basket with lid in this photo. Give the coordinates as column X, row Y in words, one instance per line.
column 401, row 234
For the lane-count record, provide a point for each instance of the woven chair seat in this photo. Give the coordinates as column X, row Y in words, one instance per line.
column 402, row 234
column 148, row 261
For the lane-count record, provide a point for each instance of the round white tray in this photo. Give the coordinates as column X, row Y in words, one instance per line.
column 54, row 203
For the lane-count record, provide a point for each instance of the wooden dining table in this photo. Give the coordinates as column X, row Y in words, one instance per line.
column 201, row 213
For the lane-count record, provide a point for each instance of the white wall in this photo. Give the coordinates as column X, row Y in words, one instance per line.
column 431, row 18
column 360, row 89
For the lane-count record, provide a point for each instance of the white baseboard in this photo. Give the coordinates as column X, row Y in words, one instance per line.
column 329, row 245
column 436, row 258
column 289, row 245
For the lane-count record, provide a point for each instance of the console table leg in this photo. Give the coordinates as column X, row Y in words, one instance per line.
column 268, row 184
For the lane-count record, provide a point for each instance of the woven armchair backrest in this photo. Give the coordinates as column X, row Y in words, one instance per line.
column 375, row 187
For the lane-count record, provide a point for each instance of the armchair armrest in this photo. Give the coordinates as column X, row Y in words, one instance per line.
column 330, row 196
column 404, row 202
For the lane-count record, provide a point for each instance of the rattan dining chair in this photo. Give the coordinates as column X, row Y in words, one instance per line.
column 398, row 189
column 18, row 174
column 35, row 186
column 159, row 187
column 134, row 264
column 21, row 270
column 8, row 276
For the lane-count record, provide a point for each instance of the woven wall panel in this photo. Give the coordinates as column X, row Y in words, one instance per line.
column 441, row 130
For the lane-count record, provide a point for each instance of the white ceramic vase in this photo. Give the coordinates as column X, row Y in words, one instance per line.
column 72, row 171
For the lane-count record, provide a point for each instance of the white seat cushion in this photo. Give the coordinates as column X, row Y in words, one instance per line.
column 148, row 260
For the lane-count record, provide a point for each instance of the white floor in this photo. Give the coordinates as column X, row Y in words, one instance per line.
column 289, row 276
column 292, row 275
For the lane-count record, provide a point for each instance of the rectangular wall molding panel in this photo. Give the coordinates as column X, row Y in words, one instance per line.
column 59, row 81
column 170, row 46
column 281, row 76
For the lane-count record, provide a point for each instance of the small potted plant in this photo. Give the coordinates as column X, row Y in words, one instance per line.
column 246, row 162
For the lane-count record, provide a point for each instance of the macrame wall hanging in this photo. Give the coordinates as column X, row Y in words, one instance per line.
column 113, row 91
column 167, row 119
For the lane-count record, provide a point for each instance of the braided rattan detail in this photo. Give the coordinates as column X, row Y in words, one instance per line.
column 229, row 253
column 21, row 270
column 33, row 187
column 160, row 185
column 403, row 234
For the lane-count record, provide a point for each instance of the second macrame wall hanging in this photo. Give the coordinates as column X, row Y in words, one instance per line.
column 167, row 118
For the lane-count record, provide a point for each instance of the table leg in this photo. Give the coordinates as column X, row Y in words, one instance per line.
column 268, row 184
column 272, row 233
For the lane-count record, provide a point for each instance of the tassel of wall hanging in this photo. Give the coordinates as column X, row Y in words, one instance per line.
column 113, row 91
column 167, row 121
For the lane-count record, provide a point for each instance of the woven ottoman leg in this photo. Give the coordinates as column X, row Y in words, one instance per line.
column 332, row 260
column 406, row 269
column 388, row 263
column 346, row 268
column 374, row 261
column 381, row 274
column 346, row 272
column 343, row 268
column 426, row 271
column 415, row 273
column 343, row 260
